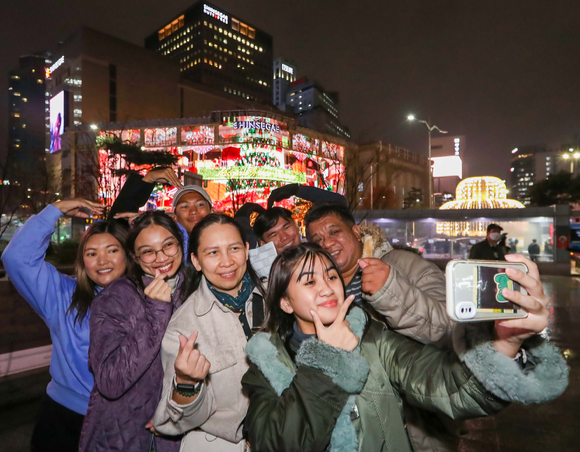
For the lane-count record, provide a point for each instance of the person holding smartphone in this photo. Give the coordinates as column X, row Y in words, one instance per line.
column 325, row 376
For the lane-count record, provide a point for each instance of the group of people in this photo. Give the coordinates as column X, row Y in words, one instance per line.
column 166, row 339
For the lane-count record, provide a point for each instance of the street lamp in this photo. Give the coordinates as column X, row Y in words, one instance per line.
column 571, row 157
column 430, row 128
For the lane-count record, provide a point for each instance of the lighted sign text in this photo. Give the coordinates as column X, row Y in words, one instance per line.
column 287, row 68
column 215, row 13
column 58, row 63
column 252, row 172
column 456, row 144
column 256, row 125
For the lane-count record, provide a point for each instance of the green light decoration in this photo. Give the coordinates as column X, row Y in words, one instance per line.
column 252, row 173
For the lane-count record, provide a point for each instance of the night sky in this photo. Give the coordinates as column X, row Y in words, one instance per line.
column 503, row 73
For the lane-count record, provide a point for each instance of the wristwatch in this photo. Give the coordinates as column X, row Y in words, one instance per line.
column 186, row 390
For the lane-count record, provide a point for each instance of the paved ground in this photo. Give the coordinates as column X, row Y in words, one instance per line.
column 539, row 428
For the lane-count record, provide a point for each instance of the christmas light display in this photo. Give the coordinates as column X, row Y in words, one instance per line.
column 482, row 193
column 242, row 159
column 476, row 193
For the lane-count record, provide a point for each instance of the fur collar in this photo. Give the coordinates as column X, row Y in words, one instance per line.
column 374, row 240
column 350, row 373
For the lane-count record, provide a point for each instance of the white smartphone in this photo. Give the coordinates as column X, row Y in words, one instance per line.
column 474, row 291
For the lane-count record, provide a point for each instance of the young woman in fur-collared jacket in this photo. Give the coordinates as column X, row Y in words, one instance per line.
column 322, row 378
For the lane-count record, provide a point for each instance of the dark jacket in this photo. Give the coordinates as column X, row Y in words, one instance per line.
column 127, row 328
column 484, row 251
column 353, row 401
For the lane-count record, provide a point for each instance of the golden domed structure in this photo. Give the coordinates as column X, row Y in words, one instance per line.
column 482, row 193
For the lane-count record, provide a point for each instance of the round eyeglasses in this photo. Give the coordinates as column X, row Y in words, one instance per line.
column 149, row 256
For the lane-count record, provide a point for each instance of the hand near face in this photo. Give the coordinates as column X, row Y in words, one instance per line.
column 129, row 216
column 159, row 289
column 191, row 366
column 338, row 334
column 510, row 334
column 79, row 207
column 374, row 274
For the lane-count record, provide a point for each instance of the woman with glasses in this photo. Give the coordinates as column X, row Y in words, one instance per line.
column 128, row 322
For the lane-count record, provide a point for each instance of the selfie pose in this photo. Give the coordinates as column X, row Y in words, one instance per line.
column 128, row 322
column 64, row 303
column 326, row 377
column 203, row 348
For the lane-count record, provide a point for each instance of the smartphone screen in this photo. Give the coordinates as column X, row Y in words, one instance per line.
column 487, row 290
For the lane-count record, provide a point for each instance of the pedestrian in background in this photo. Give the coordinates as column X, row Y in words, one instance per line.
column 490, row 249
column 128, row 322
column 534, row 250
column 64, row 303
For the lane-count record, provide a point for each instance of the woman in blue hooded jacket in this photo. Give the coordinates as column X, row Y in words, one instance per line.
column 63, row 302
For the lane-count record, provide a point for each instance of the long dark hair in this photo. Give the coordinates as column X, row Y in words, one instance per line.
column 195, row 237
column 143, row 221
column 84, row 293
column 285, row 265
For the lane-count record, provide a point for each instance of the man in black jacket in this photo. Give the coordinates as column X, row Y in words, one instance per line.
column 489, row 249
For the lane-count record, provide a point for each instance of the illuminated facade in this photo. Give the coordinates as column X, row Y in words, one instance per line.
column 476, row 193
column 241, row 155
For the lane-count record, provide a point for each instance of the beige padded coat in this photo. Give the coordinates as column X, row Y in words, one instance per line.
column 213, row 421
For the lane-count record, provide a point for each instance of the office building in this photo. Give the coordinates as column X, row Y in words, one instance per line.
column 284, row 74
column 386, row 175
column 215, row 49
column 532, row 164
column 28, row 110
column 106, row 79
column 317, row 109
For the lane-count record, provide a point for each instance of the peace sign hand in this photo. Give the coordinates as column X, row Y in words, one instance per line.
column 338, row 334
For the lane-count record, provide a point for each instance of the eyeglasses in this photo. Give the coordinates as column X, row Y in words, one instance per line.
column 149, row 256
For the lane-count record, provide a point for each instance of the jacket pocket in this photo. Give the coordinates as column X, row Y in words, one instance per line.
column 220, row 359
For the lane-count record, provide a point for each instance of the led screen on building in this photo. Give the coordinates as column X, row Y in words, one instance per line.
column 302, row 143
column 162, row 136
column 197, row 135
column 447, row 166
column 57, row 121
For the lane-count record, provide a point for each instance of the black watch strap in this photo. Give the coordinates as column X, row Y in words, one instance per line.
column 186, row 390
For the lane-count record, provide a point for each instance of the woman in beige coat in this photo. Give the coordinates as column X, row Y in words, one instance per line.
column 203, row 348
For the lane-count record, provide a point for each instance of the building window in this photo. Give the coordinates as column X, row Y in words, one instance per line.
column 235, row 24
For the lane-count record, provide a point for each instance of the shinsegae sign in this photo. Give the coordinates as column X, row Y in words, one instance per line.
column 215, row 13
column 258, row 125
